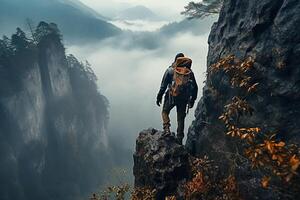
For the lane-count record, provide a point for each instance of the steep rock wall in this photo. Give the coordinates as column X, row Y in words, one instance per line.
column 268, row 31
column 52, row 125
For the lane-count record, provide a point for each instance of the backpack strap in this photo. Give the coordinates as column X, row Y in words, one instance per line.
column 182, row 70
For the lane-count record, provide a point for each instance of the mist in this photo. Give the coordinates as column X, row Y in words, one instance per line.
column 168, row 9
column 129, row 70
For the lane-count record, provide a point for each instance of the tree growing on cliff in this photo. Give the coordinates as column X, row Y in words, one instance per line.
column 5, row 47
column 202, row 9
column 19, row 40
column 45, row 29
column 30, row 26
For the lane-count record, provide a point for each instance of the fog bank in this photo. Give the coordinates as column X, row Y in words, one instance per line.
column 130, row 79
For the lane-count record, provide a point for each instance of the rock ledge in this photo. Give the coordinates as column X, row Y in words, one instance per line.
column 160, row 163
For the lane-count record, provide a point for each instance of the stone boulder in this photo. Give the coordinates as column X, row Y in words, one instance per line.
column 160, row 163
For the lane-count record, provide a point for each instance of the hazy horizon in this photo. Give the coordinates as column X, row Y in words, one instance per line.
column 168, row 8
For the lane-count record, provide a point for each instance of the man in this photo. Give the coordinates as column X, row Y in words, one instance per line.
column 182, row 89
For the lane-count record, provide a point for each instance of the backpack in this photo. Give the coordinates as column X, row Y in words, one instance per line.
column 181, row 77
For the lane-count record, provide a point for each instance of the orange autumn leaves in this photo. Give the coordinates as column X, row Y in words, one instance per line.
column 197, row 186
column 200, row 183
column 281, row 159
column 121, row 192
column 265, row 181
column 207, row 181
column 237, row 71
column 144, row 193
column 263, row 151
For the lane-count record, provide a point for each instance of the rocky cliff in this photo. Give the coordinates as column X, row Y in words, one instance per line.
column 268, row 32
column 52, row 120
column 160, row 163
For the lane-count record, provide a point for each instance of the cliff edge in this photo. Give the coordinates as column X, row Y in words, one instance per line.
column 160, row 163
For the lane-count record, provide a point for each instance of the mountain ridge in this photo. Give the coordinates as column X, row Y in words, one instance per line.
column 77, row 23
column 138, row 12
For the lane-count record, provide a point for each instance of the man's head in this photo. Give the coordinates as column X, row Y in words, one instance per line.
column 178, row 56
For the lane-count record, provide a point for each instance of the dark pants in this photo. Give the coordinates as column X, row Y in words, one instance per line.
column 181, row 105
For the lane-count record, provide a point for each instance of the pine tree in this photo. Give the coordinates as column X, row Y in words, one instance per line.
column 19, row 41
column 45, row 29
column 202, row 9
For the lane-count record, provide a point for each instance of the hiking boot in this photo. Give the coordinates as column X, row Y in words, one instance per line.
column 167, row 130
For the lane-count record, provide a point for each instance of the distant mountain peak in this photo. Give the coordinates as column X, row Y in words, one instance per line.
column 89, row 25
column 84, row 8
column 138, row 12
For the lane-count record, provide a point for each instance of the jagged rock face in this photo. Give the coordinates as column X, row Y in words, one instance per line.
column 268, row 31
column 160, row 163
column 52, row 126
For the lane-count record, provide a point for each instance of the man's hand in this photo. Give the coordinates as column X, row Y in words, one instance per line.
column 158, row 100
column 191, row 104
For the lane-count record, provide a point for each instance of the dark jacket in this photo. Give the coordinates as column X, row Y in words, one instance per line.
column 167, row 81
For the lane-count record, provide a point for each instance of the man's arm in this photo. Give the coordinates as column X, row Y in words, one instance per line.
column 194, row 90
column 163, row 86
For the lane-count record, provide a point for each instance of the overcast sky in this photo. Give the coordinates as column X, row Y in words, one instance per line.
column 166, row 8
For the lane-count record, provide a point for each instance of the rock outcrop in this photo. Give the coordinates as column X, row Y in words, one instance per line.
column 160, row 163
column 52, row 121
column 268, row 31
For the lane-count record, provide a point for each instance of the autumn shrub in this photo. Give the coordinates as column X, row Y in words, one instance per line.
column 144, row 193
column 274, row 157
column 120, row 192
column 208, row 183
